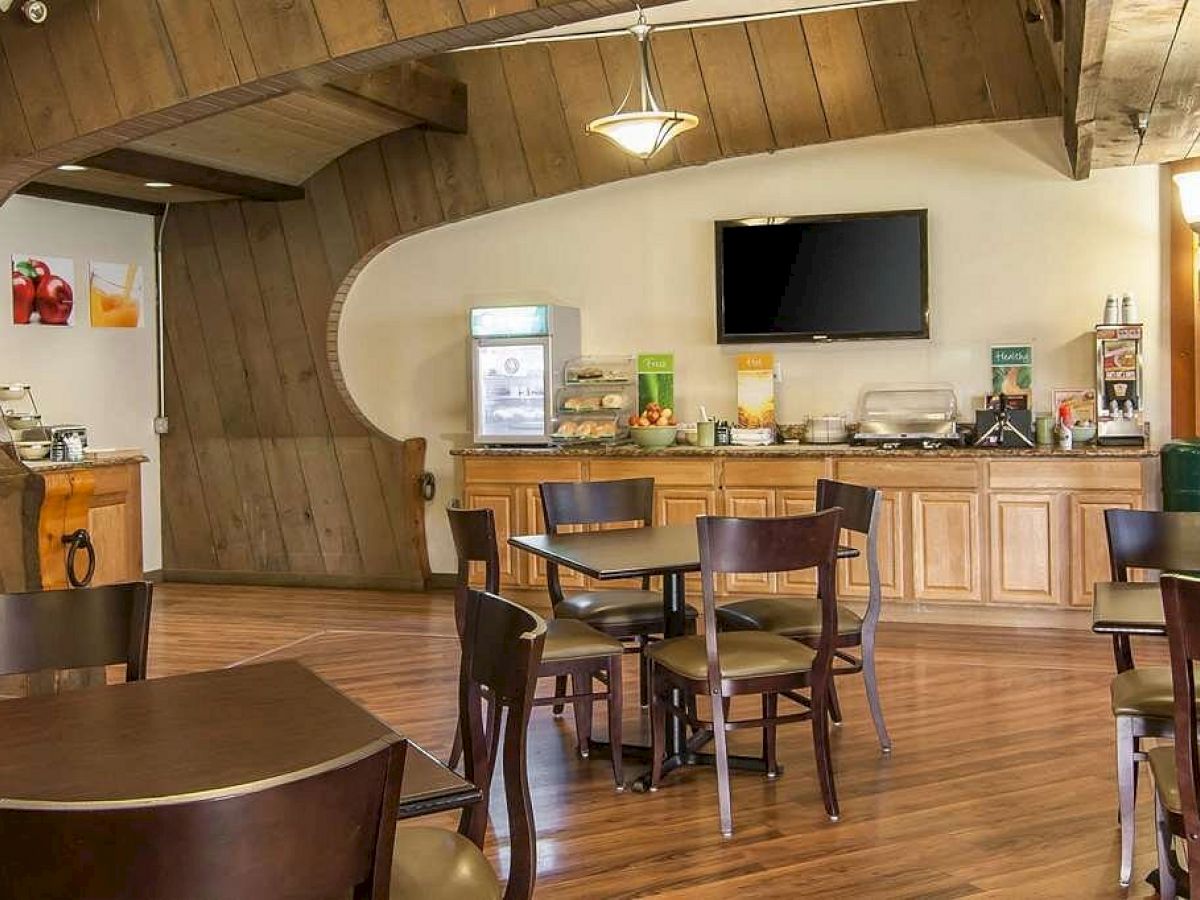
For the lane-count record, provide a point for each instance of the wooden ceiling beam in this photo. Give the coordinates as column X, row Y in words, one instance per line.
column 150, row 167
column 412, row 89
column 1085, row 34
column 89, row 198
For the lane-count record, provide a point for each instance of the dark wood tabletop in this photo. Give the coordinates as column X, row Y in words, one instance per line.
column 619, row 553
column 1128, row 607
column 205, row 734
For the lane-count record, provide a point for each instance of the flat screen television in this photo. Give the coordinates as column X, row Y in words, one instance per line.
column 823, row 278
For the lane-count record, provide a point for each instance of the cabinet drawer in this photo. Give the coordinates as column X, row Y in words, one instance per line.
column 521, row 470
column 1078, row 474
column 798, row 473
column 910, row 473
column 663, row 471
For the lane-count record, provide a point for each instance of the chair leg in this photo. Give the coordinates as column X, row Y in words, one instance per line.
column 455, row 749
column 643, row 672
column 1126, row 794
column 560, row 688
column 658, row 726
column 581, row 683
column 872, row 685
column 835, row 708
column 770, row 705
column 1167, row 885
column 615, row 709
column 820, row 721
column 720, row 738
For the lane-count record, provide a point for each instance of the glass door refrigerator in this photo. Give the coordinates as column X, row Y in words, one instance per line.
column 517, row 359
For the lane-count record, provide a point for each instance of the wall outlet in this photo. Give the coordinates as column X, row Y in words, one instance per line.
column 162, row 425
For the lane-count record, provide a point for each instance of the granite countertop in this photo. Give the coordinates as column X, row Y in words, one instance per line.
column 117, row 459
column 789, row 451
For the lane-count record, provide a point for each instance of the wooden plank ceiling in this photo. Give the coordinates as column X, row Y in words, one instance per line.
column 269, row 470
column 1138, row 66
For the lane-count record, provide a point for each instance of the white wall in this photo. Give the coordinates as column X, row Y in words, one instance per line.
column 1017, row 252
column 103, row 378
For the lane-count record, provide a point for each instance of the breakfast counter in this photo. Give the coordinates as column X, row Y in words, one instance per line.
column 967, row 534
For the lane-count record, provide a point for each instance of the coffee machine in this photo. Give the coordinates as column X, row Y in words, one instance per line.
column 1119, row 386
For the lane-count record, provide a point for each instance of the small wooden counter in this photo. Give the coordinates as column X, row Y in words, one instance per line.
column 105, row 498
column 1019, row 532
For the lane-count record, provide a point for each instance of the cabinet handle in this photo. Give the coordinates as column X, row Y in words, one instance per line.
column 76, row 541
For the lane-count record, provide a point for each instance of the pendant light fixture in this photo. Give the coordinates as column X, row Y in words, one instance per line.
column 643, row 131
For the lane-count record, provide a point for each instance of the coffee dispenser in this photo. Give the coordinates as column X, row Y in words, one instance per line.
column 1120, row 387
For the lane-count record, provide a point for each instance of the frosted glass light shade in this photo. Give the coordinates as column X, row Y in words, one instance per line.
column 643, row 133
column 1188, row 184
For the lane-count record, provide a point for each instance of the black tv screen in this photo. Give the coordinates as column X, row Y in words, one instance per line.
column 823, row 278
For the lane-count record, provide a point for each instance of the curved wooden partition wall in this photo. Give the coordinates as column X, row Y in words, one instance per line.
column 268, row 468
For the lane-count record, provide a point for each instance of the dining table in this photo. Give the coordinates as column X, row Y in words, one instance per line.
column 199, row 735
column 666, row 551
column 1127, row 609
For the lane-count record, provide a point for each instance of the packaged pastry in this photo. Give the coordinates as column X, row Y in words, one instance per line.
column 567, row 429
column 612, row 401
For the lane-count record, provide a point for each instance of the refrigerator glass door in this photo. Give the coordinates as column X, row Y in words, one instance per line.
column 510, row 390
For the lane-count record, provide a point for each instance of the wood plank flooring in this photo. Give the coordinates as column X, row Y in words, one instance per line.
column 1001, row 783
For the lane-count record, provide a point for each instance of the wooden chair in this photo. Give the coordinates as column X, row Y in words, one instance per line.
column 1176, row 767
column 635, row 615
column 571, row 648
column 800, row 619
column 1142, row 699
column 727, row 664
column 501, row 652
column 76, row 629
column 311, row 838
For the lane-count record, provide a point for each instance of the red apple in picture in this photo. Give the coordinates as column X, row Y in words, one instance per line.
column 22, row 298
column 54, row 300
column 40, row 270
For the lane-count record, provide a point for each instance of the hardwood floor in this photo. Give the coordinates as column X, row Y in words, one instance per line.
column 1001, row 783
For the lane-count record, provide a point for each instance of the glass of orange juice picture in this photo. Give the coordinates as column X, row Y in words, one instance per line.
column 115, row 294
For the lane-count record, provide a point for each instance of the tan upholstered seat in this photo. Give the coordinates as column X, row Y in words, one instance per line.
column 436, row 864
column 1162, row 764
column 783, row 616
column 615, row 608
column 1145, row 691
column 743, row 654
column 572, row 639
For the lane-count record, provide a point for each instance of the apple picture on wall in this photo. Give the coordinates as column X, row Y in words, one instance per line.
column 43, row 290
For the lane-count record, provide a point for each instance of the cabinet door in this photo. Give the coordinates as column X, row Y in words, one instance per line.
column 804, row 582
column 1025, row 547
column 681, row 506
column 1089, row 540
column 853, row 580
column 945, row 537
column 503, row 504
column 532, row 568
column 758, row 503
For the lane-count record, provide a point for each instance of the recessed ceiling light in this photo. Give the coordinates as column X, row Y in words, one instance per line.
column 72, row 167
column 159, row 184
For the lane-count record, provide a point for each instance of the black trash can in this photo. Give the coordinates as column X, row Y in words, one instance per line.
column 1181, row 475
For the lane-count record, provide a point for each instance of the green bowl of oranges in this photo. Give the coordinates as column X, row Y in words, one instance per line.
column 654, row 428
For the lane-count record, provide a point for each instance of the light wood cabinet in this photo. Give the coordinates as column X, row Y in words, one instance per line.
column 1017, row 531
column 945, row 537
column 1089, row 540
column 1025, row 529
column 503, row 504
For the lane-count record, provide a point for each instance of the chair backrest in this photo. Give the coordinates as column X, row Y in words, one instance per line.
column 78, row 628
column 318, row 836
column 594, row 503
column 501, row 651
column 1181, row 606
column 783, row 544
column 862, row 509
column 474, row 533
column 1148, row 539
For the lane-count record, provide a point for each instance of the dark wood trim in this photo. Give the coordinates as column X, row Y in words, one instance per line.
column 293, row 579
column 1085, row 35
column 90, row 198
column 175, row 171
